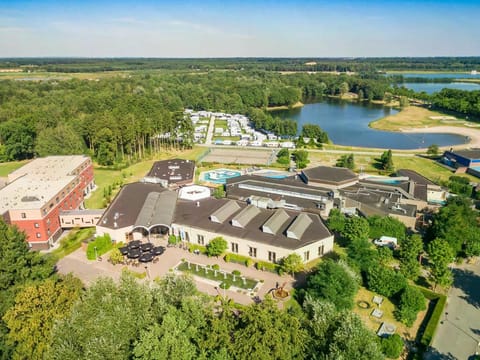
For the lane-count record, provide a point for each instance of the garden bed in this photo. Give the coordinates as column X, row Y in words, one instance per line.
column 224, row 279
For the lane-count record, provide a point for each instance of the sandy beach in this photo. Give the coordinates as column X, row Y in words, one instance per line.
column 472, row 134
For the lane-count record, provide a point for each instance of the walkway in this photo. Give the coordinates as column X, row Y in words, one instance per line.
column 458, row 334
column 211, row 126
column 88, row 271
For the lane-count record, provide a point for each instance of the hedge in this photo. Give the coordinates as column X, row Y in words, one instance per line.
column 437, row 312
column 235, row 258
column 201, row 248
column 267, row 266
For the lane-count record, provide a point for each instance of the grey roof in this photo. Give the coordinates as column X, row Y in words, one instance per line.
column 298, row 227
column 329, row 174
column 223, row 213
column 124, row 209
column 415, row 176
column 469, row 153
column 275, row 222
column 189, row 214
column 157, row 209
column 245, row 216
column 174, row 170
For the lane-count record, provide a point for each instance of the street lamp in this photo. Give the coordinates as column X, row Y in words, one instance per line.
column 95, row 248
column 147, row 272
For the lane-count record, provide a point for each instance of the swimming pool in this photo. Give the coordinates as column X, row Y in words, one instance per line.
column 219, row 176
column 386, row 180
column 272, row 174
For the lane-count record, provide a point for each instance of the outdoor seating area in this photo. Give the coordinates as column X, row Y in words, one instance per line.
column 137, row 252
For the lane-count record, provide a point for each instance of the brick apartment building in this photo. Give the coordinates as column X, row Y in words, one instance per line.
column 36, row 193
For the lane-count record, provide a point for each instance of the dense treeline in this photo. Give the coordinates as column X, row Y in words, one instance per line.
column 464, row 102
column 127, row 117
column 269, row 64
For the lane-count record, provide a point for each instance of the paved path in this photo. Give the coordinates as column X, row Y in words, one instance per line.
column 458, row 334
column 211, row 126
column 89, row 271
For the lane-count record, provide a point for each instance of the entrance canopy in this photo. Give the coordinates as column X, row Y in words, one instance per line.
column 157, row 210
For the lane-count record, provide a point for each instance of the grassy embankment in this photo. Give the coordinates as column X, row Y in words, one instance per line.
column 285, row 107
column 417, row 117
column 7, row 167
column 105, row 177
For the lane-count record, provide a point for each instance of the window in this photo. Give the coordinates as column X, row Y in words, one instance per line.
column 252, row 252
column 48, row 232
column 272, row 256
column 306, row 255
column 39, row 235
column 321, row 250
column 23, row 215
column 36, row 225
column 234, row 248
column 200, row 239
column 48, row 221
column 187, row 237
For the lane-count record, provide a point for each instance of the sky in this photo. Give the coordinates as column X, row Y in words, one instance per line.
column 248, row 28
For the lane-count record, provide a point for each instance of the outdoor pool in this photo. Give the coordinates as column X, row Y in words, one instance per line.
column 272, row 174
column 386, row 180
column 219, row 176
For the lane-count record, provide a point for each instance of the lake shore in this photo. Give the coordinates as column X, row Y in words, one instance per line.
column 298, row 104
column 473, row 135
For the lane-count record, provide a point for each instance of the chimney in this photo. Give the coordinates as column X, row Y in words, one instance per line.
column 411, row 187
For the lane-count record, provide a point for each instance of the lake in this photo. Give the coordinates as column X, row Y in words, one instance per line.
column 347, row 124
column 438, row 75
column 430, row 88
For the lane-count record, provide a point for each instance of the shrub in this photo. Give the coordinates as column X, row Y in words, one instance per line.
column 292, row 263
column 116, row 256
column 238, row 259
column 267, row 266
column 173, row 240
column 411, row 302
column 226, row 258
column 248, row 262
column 217, row 246
column 216, row 267
column 385, row 280
column 103, row 244
column 193, row 247
column 392, row 346
column 224, row 285
column 236, row 272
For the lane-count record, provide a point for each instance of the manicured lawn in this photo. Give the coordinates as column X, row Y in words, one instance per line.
column 221, row 278
column 72, row 242
column 221, row 124
column 7, row 167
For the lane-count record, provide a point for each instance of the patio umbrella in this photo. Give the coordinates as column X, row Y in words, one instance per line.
column 124, row 250
column 134, row 244
column 146, row 247
column 133, row 253
column 146, row 257
column 159, row 250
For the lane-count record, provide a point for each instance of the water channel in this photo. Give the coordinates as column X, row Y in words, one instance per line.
column 347, row 124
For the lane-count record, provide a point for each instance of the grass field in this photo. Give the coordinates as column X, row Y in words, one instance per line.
column 7, row 167
column 105, row 177
column 388, row 309
column 415, row 117
column 72, row 242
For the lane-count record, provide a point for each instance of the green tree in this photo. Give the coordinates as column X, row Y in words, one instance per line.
column 61, row 140
column 410, row 250
column 386, row 226
column 362, row 254
column 219, row 192
column 265, row 332
column 433, row 150
column 36, row 308
column 411, row 302
column 107, row 147
column 440, row 255
column 356, row 228
column 386, row 161
column 116, row 256
column 338, row 334
column 301, row 158
column 333, row 282
column 18, row 139
column 105, row 323
column 292, row 264
column 283, row 156
column 392, row 346
column 346, row 161
column 336, row 221
column 384, row 280
column 217, row 246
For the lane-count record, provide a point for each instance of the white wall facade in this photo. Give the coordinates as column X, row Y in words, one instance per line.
column 192, row 235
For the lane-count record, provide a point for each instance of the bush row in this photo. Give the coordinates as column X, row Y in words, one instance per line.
column 103, row 244
column 437, row 312
column 201, row 248
column 245, row 260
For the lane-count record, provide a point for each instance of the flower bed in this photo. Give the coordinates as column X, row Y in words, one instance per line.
column 224, row 279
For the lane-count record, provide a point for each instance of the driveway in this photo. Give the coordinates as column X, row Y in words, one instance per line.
column 458, row 334
column 88, row 271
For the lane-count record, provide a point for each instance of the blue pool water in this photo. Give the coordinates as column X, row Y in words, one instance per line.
column 220, row 176
column 385, row 181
